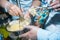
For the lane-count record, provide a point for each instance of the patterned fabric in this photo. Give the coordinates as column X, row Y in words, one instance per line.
column 43, row 14
column 25, row 4
column 39, row 14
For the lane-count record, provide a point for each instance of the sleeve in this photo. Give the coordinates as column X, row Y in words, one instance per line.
column 47, row 35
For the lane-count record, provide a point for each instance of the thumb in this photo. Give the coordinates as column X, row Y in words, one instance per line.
column 29, row 27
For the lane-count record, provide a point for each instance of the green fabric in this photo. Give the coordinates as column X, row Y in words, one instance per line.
column 4, row 32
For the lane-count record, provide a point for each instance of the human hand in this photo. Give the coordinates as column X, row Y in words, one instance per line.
column 56, row 5
column 13, row 10
column 27, row 15
column 32, row 34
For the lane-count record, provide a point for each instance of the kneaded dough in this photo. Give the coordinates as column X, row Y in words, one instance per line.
column 15, row 26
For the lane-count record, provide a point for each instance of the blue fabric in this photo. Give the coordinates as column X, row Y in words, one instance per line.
column 43, row 34
column 48, row 35
column 25, row 4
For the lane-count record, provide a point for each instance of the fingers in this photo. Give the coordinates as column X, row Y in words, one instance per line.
column 27, row 35
column 11, row 13
column 55, row 4
column 32, row 34
column 30, row 27
column 14, row 10
column 18, row 10
column 27, row 16
column 24, row 35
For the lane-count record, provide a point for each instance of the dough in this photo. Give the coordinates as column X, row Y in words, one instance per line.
column 15, row 26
